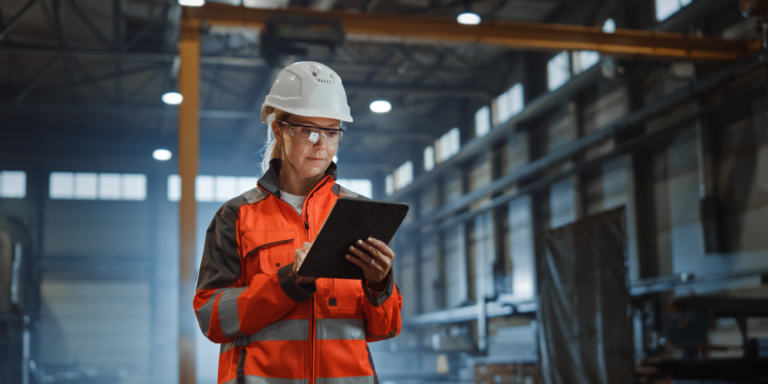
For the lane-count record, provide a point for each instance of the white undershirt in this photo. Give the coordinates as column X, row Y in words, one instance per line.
column 295, row 201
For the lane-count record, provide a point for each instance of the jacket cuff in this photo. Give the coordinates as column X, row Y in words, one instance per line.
column 298, row 293
column 380, row 299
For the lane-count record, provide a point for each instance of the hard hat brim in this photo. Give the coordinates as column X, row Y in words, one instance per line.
column 305, row 112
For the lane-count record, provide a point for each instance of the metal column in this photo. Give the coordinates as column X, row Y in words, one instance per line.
column 189, row 137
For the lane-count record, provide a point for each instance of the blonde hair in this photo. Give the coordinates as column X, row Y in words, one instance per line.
column 271, row 150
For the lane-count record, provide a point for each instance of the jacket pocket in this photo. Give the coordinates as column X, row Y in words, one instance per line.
column 268, row 250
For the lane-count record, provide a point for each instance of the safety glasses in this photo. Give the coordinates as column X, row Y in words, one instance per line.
column 311, row 134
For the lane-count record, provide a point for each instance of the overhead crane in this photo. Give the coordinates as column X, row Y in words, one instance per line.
column 518, row 35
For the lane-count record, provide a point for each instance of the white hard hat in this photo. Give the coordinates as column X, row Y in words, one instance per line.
column 308, row 89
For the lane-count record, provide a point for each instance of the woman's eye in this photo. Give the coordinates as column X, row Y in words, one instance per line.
column 307, row 131
column 332, row 134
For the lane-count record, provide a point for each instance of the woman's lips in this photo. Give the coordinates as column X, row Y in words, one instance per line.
column 315, row 159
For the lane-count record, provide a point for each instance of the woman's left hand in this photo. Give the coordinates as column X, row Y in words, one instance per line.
column 375, row 258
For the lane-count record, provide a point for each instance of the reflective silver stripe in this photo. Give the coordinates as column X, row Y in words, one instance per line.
column 345, row 380
column 249, row 379
column 283, row 330
column 277, row 331
column 228, row 316
column 226, row 347
column 204, row 313
column 232, row 381
column 340, row 329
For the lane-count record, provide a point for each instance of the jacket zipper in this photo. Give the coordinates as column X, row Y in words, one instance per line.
column 312, row 325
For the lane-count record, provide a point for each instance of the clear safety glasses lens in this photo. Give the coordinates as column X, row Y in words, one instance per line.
column 312, row 135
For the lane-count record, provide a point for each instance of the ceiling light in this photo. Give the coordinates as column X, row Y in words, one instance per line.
column 381, row 106
column 192, row 3
column 172, row 98
column 468, row 18
column 162, row 154
column 609, row 26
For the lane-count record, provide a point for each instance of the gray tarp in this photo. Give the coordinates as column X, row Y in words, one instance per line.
column 585, row 333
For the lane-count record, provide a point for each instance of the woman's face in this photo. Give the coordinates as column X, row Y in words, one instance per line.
column 306, row 158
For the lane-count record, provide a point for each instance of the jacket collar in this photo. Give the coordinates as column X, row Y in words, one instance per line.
column 271, row 183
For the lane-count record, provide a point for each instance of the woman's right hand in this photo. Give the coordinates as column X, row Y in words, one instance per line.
column 300, row 254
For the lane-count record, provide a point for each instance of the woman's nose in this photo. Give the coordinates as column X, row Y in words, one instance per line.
column 323, row 138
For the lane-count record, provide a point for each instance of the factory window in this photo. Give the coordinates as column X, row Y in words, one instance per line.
column 389, row 185
column 508, row 104
column 429, row 158
column 583, row 60
column 482, row 121
column 359, row 186
column 403, row 175
column 666, row 8
column 447, row 146
column 212, row 188
column 97, row 186
column 205, row 189
column 86, row 186
column 13, row 184
column 174, row 188
column 558, row 71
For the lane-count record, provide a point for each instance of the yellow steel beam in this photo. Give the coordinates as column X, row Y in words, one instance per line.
column 189, row 138
column 535, row 36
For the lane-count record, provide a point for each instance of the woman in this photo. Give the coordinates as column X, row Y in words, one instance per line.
column 273, row 324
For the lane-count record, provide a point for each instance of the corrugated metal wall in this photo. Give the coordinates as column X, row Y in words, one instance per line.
column 98, row 228
column 103, row 326
column 431, row 282
column 456, row 285
column 521, row 251
column 408, row 278
column 482, row 257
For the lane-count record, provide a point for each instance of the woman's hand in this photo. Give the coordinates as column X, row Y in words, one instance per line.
column 300, row 254
column 375, row 258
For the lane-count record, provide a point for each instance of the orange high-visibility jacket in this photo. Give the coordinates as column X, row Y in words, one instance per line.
column 271, row 329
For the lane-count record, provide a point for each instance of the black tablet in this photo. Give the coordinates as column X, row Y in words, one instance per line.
column 351, row 219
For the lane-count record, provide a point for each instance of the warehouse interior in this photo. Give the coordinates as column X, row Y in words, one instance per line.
column 587, row 180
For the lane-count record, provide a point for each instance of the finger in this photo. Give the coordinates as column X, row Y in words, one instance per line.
column 361, row 254
column 381, row 246
column 305, row 280
column 358, row 262
column 305, row 247
column 299, row 254
column 373, row 251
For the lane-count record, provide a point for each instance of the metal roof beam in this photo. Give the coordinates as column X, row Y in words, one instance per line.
column 434, row 91
column 231, row 61
column 6, row 30
column 38, row 78
column 204, row 113
column 89, row 24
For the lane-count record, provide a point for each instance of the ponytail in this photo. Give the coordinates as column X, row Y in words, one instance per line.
column 271, row 151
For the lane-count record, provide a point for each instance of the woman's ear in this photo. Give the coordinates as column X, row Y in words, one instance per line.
column 278, row 133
